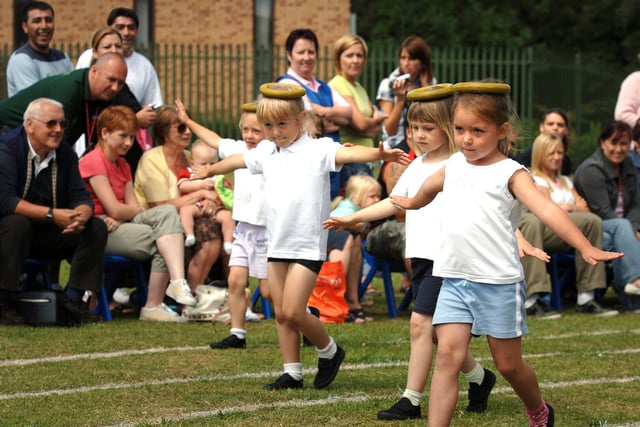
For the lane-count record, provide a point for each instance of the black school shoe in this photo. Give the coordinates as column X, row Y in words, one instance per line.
column 328, row 369
column 231, row 341
column 479, row 394
column 403, row 409
column 284, row 382
column 551, row 417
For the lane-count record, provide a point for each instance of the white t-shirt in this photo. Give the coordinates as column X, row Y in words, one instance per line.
column 479, row 219
column 296, row 194
column 141, row 77
column 423, row 225
column 248, row 189
column 559, row 194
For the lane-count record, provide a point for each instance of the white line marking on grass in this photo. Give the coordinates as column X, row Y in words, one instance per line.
column 348, row 398
column 88, row 356
column 251, row 408
column 133, row 352
column 254, row 375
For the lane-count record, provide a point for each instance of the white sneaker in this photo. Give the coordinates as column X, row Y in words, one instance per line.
column 631, row 289
column 160, row 313
column 121, row 296
column 227, row 247
column 180, row 291
column 250, row 316
column 190, row 240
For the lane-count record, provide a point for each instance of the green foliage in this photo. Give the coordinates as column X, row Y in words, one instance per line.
column 607, row 30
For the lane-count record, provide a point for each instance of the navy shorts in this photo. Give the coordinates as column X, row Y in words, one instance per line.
column 424, row 286
column 312, row 265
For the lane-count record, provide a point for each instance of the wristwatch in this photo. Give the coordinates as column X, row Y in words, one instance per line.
column 49, row 217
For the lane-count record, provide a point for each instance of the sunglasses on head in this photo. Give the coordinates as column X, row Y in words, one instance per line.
column 51, row 124
column 182, row 127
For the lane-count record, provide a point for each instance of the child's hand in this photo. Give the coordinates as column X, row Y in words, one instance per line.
column 393, row 155
column 534, row 252
column 182, row 112
column 337, row 223
column 593, row 255
column 199, row 172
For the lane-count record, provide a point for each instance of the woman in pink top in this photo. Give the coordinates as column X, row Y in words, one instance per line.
column 134, row 232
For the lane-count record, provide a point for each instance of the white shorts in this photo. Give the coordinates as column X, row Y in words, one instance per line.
column 494, row 310
column 250, row 249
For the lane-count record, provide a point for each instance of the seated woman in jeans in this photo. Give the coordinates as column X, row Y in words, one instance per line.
column 608, row 182
column 547, row 160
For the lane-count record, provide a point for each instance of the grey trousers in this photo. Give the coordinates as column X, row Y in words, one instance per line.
column 588, row 277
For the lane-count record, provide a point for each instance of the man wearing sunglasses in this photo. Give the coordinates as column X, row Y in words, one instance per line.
column 83, row 94
column 45, row 210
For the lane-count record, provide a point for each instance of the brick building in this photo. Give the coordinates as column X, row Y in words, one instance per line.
column 191, row 23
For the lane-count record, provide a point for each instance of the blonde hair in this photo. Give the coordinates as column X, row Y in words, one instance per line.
column 343, row 43
column 543, row 145
column 438, row 112
column 272, row 110
column 359, row 186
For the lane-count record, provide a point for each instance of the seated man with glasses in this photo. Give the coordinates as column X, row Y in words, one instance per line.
column 45, row 210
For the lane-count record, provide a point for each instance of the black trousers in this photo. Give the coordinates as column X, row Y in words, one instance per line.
column 22, row 238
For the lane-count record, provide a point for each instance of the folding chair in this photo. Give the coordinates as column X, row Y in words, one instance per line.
column 560, row 282
column 386, row 267
column 264, row 303
column 113, row 265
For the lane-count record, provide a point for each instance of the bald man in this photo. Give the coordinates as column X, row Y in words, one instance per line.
column 82, row 93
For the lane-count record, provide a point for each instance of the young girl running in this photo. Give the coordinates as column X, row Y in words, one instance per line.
column 483, row 291
column 296, row 174
column 431, row 124
column 249, row 250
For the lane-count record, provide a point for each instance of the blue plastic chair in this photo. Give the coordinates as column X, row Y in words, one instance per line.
column 385, row 267
column 560, row 282
column 113, row 265
column 264, row 303
column 34, row 267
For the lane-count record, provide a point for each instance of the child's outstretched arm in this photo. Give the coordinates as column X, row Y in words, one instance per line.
column 525, row 248
column 554, row 217
column 226, row 165
column 425, row 195
column 382, row 209
column 361, row 154
column 207, row 135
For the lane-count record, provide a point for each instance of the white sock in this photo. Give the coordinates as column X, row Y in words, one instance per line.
column 585, row 297
column 329, row 351
column 240, row 333
column 475, row 375
column 415, row 397
column 293, row 369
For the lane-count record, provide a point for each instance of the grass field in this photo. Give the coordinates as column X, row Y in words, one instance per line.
column 128, row 372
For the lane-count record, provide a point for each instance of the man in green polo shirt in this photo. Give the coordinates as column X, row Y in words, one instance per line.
column 83, row 94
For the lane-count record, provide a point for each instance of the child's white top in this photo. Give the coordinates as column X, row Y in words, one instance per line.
column 297, row 196
column 480, row 216
column 248, row 189
column 559, row 194
column 423, row 225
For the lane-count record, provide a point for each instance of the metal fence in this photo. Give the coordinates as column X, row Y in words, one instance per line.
column 215, row 80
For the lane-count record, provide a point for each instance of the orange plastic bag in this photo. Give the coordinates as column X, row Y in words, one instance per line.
column 328, row 294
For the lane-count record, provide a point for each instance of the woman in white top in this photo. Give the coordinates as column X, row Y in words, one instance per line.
column 546, row 162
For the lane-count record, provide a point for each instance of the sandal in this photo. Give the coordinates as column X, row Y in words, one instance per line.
column 357, row 315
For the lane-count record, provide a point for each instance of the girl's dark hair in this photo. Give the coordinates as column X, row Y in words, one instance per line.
column 558, row 111
column 420, row 50
column 614, row 129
